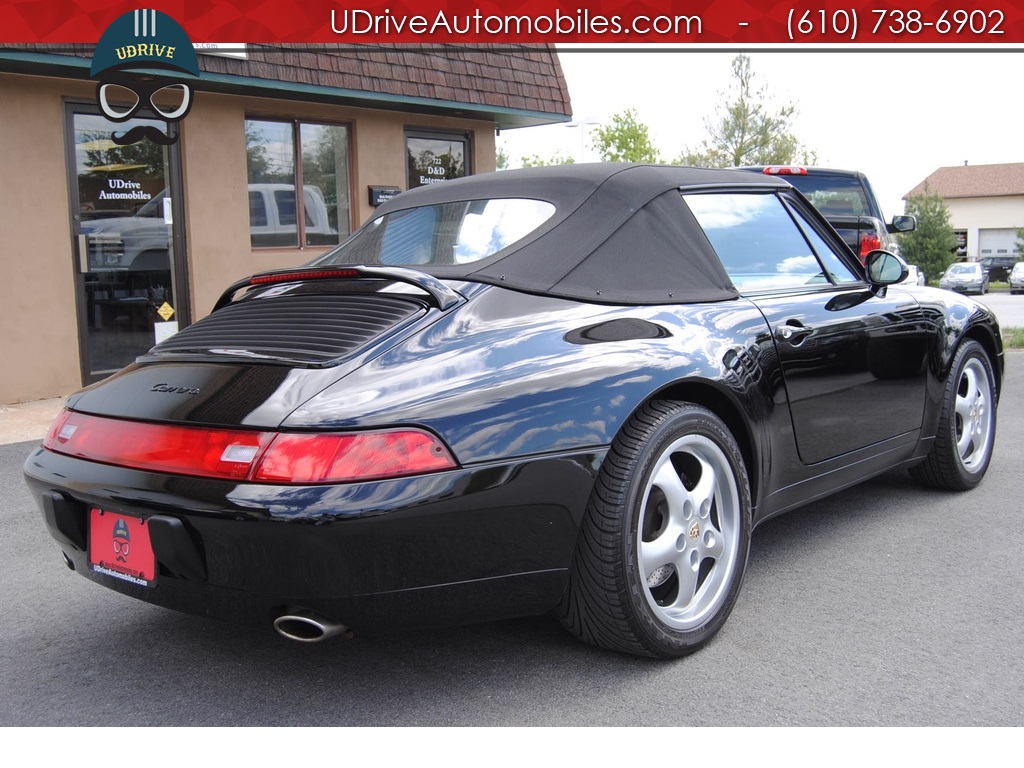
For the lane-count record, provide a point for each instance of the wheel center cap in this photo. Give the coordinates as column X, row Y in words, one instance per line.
column 694, row 532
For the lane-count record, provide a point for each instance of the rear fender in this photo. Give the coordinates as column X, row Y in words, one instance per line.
column 512, row 375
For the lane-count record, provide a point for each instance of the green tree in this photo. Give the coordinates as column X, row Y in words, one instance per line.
column 932, row 246
column 144, row 158
column 500, row 159
column 746, row 131
column 325, row 167
column 261, row 165
column 557, row 159
column 625, row 140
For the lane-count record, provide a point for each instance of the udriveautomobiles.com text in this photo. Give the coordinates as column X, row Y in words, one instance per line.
column 583, row 22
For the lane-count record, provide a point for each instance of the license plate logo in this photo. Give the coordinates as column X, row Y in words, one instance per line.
column 120, row 546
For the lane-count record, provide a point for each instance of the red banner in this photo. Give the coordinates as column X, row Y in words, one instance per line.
column 691, row 23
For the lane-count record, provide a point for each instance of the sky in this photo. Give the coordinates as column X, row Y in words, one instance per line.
column 896, row 116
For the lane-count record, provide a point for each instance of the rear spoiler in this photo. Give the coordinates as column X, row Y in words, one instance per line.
column 443, row 296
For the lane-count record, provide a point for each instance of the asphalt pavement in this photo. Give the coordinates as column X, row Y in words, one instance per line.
column 882, row 605
column 1008, row 309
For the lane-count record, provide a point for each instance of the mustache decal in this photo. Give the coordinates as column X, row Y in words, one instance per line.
column 140, row 132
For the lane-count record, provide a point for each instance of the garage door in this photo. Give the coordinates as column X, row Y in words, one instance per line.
column 997, row 242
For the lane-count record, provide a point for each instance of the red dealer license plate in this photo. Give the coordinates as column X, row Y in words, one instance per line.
column 119, row 546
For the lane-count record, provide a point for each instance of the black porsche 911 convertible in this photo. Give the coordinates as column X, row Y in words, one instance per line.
column 573, row 389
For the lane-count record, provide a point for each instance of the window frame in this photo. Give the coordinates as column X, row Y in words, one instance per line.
column 809, row 216
column 798, row 212
column 296, row 124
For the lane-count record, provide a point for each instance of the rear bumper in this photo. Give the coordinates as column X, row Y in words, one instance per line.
column 473, row 544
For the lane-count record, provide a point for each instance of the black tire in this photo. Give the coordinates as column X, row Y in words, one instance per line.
column 654, row 575
column 966, row 433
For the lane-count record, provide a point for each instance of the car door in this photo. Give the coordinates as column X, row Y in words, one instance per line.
column 853, row 357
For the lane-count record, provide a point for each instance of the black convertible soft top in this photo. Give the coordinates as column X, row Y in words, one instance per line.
column 621, row 233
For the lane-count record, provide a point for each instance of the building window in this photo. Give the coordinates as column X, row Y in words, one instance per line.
column 272, row 147
column 434, row 157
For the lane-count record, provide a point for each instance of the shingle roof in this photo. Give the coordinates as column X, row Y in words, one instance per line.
column 998, row 180
column 514, row 84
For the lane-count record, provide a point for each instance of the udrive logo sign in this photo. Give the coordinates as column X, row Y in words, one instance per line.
column 144, row 62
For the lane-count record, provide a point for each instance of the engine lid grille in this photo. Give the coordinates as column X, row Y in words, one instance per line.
column 296, row 328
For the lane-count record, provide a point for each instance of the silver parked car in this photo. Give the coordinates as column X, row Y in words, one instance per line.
column 1016, row 278
column 965, row 277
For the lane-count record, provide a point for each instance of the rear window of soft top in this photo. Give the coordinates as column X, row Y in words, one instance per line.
column 447, row 234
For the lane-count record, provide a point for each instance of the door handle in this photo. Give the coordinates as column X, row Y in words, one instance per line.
column 793, row 333
column 83, row 254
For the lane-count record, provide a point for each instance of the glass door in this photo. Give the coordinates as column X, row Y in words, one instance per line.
column 126, row 244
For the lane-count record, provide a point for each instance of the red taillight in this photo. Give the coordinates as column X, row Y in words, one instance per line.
column 339, row 458
column 179, row 450
column 869, row 242
column 785, row 170
column 237, row 454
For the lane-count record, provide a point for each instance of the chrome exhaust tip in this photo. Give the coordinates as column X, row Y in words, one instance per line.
column 306, row 626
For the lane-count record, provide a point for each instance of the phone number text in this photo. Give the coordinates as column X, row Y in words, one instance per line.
column 886, row 25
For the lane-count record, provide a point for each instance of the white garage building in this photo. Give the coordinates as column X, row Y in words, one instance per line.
column 986, row 206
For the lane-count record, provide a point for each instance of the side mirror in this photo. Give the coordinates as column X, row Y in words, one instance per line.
column 885, row 268
column 903, row 224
